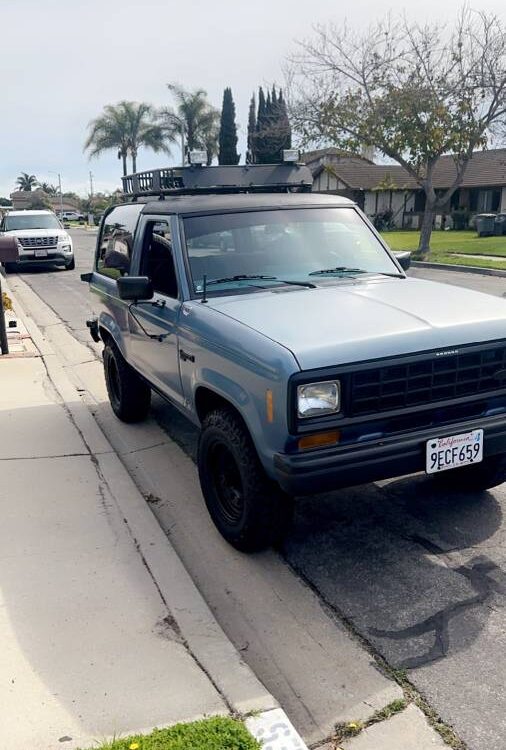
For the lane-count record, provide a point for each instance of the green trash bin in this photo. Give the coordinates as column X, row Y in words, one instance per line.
column 500, row 225
column 485, row 224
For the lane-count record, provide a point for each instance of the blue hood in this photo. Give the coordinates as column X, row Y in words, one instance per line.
column 365, row 319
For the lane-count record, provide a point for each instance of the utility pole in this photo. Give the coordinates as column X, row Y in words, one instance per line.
column 61, row 194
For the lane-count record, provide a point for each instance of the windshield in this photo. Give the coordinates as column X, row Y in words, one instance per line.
column 31, row 221
column 314, row 245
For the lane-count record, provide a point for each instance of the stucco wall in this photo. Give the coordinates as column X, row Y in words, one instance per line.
column 327, row 182
column 389, row 199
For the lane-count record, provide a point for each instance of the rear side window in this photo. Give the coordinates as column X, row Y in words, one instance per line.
column 116, row 241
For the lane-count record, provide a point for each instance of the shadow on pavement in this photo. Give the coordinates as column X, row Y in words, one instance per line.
column 398, row 562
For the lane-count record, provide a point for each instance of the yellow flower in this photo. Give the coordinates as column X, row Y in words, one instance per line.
column 351, row 725
column 134, row 746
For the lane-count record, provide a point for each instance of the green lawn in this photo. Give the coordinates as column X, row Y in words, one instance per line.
column 217, row 733
column 445, row 244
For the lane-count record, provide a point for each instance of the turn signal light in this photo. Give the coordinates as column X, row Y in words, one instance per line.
column 269, row 406
column 320, row 440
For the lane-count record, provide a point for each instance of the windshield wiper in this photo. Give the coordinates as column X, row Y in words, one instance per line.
column 346, row 269
column 337, row 269
column 260, row 277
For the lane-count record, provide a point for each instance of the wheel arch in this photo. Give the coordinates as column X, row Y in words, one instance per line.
column 208, row 400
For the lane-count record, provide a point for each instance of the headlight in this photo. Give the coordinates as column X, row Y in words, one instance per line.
column 318, row 399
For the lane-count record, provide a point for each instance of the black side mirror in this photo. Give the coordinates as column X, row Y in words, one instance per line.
column 135, row 288
column 404, row 259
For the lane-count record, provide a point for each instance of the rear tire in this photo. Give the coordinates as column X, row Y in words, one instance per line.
column 129, row 395
column 9, row 267
column 249, row 510
column 489, row 473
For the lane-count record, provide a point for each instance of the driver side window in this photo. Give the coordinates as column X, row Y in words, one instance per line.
column 157, row 259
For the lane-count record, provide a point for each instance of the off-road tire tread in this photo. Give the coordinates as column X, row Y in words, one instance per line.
column 135, row 400
column 270, row 508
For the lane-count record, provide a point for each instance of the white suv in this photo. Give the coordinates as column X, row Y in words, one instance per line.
column 42, row 239
column 70, row 216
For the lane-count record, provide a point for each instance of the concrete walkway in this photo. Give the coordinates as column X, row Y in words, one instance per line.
column 89, row 648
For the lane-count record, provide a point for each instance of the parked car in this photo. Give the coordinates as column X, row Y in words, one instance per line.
column 42, row 239
column 299, row 346
column 70, row 216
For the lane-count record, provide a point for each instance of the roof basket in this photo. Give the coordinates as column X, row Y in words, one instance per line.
column 192, row 180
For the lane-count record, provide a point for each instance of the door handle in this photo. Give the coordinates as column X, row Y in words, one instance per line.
column 185, row 356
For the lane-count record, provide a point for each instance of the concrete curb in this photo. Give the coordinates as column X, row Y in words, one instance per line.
column 203, row 636
column 461, row 269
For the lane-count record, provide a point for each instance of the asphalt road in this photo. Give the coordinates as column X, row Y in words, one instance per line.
column 417, row 572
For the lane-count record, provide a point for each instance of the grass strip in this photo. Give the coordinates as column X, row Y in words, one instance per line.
column 444, row 245
column 216, row 733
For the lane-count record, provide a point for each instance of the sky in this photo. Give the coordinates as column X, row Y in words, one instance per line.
column 61, row 61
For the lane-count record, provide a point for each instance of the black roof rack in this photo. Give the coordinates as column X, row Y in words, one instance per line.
column 192, row 180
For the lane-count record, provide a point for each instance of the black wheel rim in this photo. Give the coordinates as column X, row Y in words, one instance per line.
column 114, row 382
column 227, row 484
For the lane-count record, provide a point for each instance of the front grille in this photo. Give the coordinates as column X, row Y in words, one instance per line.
column 426, row 381
column 38, row 241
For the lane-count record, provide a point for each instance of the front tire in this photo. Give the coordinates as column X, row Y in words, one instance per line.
column 10, row 267
column 250, row 511
column 129, row 395
column 489, row 473
column 70, row 266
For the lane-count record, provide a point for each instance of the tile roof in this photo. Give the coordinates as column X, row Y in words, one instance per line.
column 486, row 169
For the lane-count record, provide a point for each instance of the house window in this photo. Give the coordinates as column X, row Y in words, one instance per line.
column 488, row 200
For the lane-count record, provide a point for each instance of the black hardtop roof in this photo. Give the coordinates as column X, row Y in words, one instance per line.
column 195, row 204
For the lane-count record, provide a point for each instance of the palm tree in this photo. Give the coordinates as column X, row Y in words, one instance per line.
column 26, row 182
column 48, row 188
column 126, row 127
column 199, row 118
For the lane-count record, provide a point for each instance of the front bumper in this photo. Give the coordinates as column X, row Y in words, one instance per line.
column 53, row 257
column 332, row 468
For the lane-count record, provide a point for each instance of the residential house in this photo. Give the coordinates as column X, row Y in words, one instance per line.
column 380, row 187
column 22, row 199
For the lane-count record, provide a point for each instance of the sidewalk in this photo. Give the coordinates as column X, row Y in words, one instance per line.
column 90, row 648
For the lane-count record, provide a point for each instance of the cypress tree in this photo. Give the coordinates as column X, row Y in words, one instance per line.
column 228, row 131
column 260, row 133
column 284, row 122
column 270, row 130
column 252, row 121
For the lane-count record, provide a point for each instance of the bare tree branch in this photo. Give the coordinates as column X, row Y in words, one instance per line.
column 414, row 92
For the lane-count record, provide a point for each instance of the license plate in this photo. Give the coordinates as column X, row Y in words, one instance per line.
column 457, row 450
column 40, row 252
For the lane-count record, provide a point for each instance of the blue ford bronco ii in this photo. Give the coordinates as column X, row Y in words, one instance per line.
column 279, row 322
